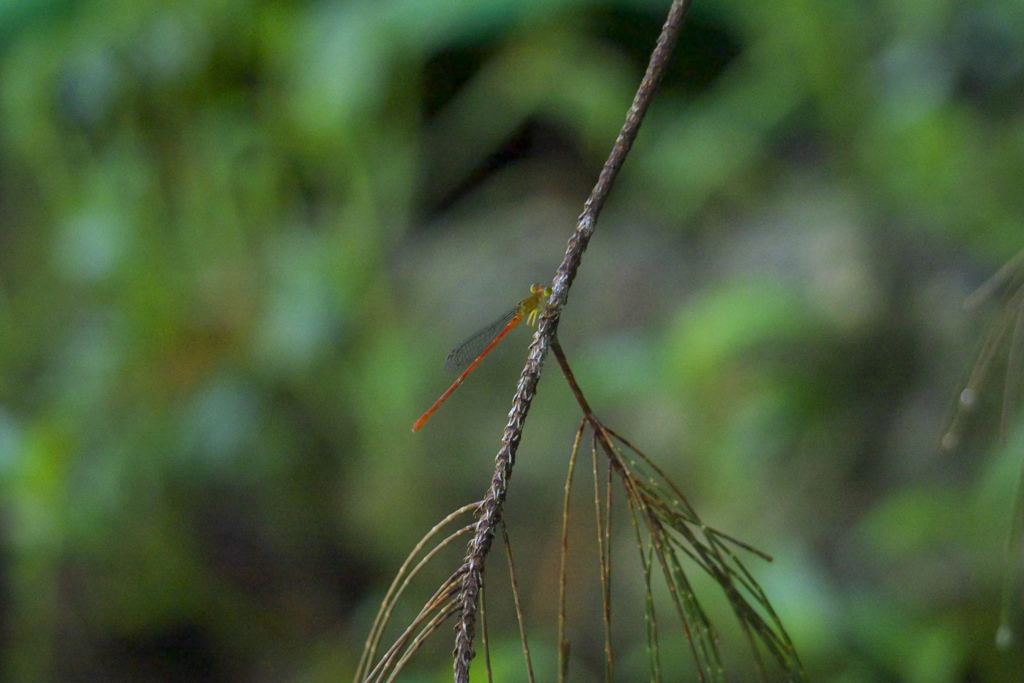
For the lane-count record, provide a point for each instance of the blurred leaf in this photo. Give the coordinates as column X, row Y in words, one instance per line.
column 723, row 326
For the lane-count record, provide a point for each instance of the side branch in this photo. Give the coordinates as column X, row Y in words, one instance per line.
column 570, row 378
column 491, row 508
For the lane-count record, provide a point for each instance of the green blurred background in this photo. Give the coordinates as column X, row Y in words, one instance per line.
column 237, row 239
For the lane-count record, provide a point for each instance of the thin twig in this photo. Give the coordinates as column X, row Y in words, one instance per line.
column 519, row 607
column 484, row 637
column 443, row 599
column 428, row 630
column 1013, row 366
column 570, row 379
column 1005, row 634
column 650, row 614
column 563, row 644
column 401, row 582
column 493, row 503
column 608, row 564
column 1009, row 272
column 674, row 527
column 603, row 559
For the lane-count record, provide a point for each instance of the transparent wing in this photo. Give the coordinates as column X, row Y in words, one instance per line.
column 468, row 351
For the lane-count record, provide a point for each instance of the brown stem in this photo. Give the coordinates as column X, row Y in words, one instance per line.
column 570, row 379
column 491, row 508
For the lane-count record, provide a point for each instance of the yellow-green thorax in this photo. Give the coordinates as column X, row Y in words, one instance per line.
column 532, row 306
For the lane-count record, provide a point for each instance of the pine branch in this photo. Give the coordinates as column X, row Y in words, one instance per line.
column 490, row 511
